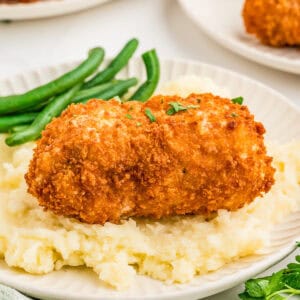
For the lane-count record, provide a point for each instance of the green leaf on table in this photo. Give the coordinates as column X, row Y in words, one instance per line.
column 282, row 285
column 278, row 297
column 292, row 280
column 257, row 287
column 293, row 266
column 246, row 296
column 275, row 282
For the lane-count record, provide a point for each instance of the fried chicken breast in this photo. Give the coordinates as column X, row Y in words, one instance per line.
column 274, row 22
column 106, row 161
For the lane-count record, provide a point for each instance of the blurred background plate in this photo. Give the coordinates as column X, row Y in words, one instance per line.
column 281, row 119
column 44, row 8
column 222, row 21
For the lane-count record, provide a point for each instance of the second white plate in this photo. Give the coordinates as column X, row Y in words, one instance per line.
column 222, row 21
column 44, row 8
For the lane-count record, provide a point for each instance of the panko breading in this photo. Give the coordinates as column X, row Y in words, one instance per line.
column 106, row 161
column 274, row 22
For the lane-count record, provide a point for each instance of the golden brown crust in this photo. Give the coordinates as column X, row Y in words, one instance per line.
column 17, row 1
column 97, row 164
column 274, row 22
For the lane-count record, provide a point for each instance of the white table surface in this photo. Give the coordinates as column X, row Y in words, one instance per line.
column 156, row 23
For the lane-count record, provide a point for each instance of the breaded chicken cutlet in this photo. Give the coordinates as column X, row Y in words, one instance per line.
column 274, row 22
column 107, row 161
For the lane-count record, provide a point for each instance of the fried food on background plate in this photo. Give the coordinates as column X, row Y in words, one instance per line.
column 274, row 22
column 107, row 161
column 17, row 1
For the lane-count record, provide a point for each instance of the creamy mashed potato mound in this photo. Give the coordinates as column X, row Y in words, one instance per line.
column 173, row 250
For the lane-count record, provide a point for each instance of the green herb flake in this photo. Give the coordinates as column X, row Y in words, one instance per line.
column 234, row 115
column 128, row 116
column 238, row 100
column 176, row 107
column 150, row 115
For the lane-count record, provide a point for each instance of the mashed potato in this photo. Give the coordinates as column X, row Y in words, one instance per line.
column 173, row 250
column 186, row 85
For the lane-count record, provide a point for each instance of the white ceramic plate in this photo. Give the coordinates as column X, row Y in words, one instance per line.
column 281, row 119
column 222, row 21
column 44, row 8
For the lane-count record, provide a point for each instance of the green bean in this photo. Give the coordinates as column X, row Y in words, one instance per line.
column 53, row 109
column 115, row 66
column 118, row 89
column 146, row 90
column 85, row 94
column 94, row 91
column 17, row 128
column 38, row 107
column 38, row 95
column 81, row 95
column 6, row 122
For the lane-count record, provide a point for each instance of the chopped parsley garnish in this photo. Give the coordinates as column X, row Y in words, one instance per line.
column 150, row 115
column 128, row 116
column 238, row 100
column 176, row 107
column 280, row 285
column 234, row 115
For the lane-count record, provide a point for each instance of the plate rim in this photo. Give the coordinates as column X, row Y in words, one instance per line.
column 264, row 263
column 249, row 53
column 174, row 295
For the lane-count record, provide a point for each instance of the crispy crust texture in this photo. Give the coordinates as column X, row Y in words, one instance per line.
column 105, row 161
column 16, row 1
column 274, row 22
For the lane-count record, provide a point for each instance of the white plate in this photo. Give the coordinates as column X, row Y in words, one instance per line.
column 281, row 119
column 44, row 8
column 222, row 21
